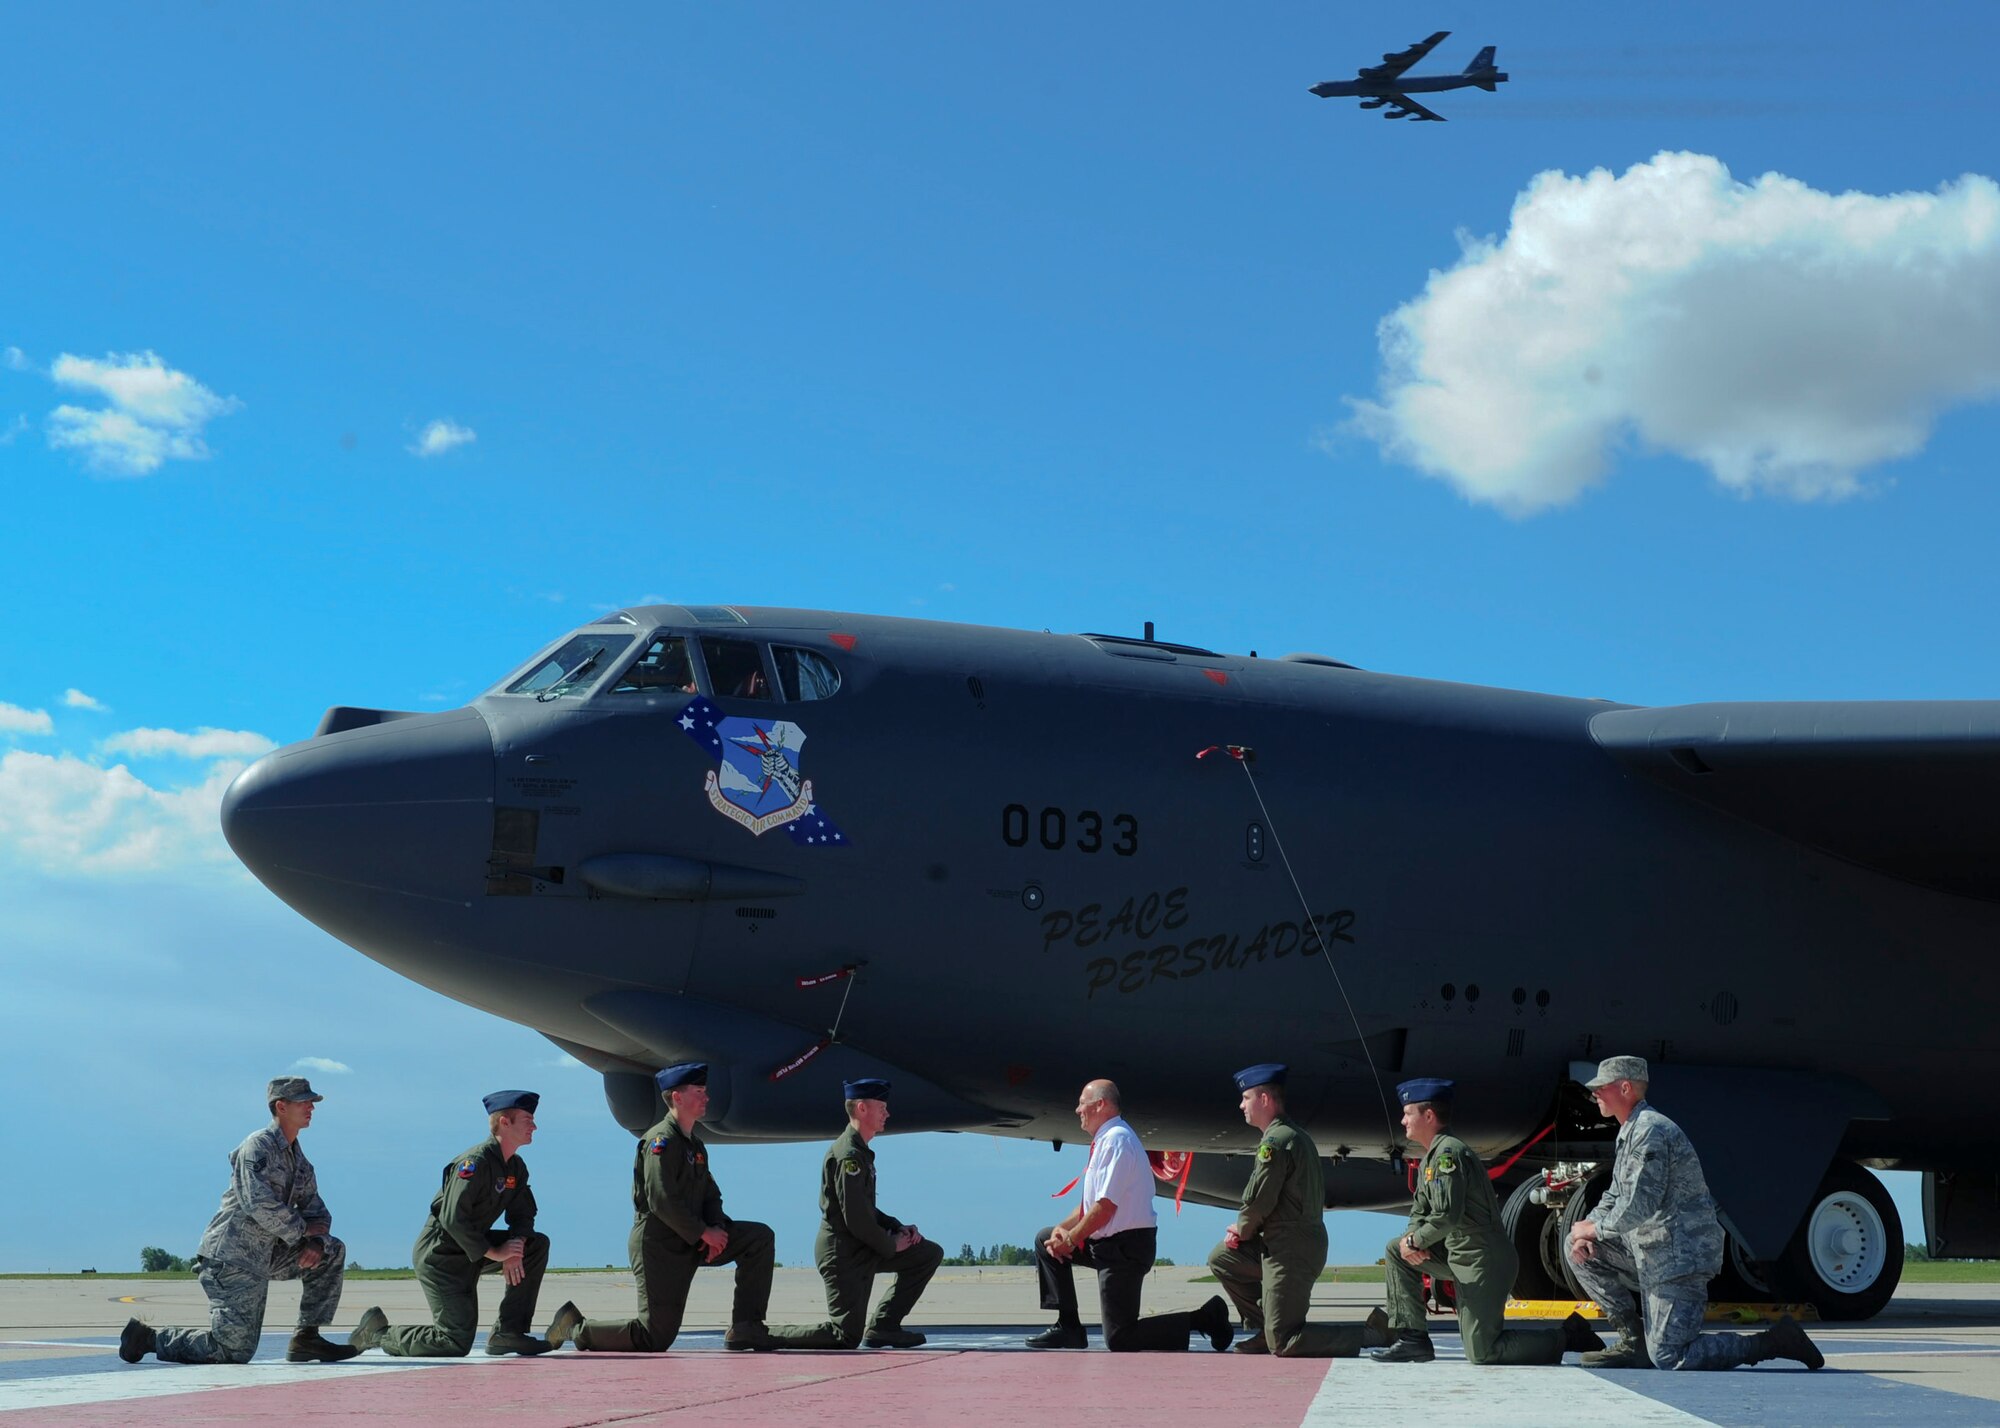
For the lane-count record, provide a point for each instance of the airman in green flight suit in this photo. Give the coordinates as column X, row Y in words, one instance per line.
column 1270, row 1259
column 1455, row 1234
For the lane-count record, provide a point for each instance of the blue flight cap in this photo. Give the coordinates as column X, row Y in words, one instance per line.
column 513, row 1101
column 686, row 1073
column 866, row 1089
column 1270, row 1073
column 1427, row 1088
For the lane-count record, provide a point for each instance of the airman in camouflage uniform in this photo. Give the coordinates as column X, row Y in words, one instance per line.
column 272, row 1225
column 857, row 1241
column 678, row 1227
column 1648, row 1248
column 458, row 1244
column 1270, row 1259
column 1455, row 1234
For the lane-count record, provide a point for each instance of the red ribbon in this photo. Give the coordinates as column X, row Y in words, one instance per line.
column 824, row 977
column 1498, row 1170
column 1168, row 1164
column 1496, row 1174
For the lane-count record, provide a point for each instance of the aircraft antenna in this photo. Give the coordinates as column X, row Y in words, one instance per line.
column 1243, row 755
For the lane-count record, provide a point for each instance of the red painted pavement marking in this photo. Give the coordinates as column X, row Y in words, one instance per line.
column 891, row 1390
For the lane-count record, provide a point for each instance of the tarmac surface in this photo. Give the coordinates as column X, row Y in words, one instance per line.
column 1932, row 1358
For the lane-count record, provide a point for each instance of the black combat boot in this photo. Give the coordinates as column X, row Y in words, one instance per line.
column 513, row 1341
column 1579, row 1337
column 1785, row 1340
column 1412, row 1346
column 307, row 1347
column 135, row 1342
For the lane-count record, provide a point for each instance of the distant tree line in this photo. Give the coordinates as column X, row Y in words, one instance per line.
column 992, row 1255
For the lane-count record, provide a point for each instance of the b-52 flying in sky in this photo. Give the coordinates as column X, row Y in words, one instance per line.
column 1388, row 84
column 988, row 864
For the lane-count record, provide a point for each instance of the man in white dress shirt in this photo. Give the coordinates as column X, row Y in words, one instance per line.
column 1114, row 1231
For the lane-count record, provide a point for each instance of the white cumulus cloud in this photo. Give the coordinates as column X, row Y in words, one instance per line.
column 14, row 359
column 322, row 1064
column 16, row 720
column 77, row 699
column 153, row 414
column 203, row 743
column 1785, row 338
column 441, row 436
column 67, row 815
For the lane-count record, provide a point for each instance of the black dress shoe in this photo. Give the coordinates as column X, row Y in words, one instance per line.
column 1411, row 1347
column 1062, row 1336
column 1212, row 1319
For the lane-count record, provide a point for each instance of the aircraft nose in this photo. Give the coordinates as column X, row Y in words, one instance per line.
column 394, row 815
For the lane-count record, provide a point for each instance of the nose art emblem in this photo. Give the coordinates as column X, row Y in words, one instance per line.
column 756, row 780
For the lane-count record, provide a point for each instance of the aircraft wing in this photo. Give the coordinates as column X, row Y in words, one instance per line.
column 1910, row 789
column 1394, row 64
column 1408, row 108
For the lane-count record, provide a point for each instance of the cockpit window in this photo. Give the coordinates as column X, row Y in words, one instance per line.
column 664, row 666
column 804, row 674
column 735, row 668
column 573, row 668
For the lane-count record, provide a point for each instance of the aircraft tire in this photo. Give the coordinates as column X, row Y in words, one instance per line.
column 1846, row 1256
column 1530, row 1227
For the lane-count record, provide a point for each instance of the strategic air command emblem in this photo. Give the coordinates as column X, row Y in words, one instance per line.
column 756, row 781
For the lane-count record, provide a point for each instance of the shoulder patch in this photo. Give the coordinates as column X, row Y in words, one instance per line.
column 466, row 1167
column 1264, row 1151
column 659, row 1145
column 1445, row 1164
column 850, row 1166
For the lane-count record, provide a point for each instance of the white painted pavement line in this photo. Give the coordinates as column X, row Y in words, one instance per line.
column 1356, row 1390
column 70, row 1390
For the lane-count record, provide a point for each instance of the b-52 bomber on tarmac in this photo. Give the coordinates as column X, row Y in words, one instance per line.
column 1387, row 84
column 988, row 864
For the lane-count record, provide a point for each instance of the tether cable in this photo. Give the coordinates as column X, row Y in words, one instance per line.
column 1243, row 754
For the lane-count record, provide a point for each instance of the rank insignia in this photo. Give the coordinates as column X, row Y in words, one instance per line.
column 465, row 1169
column 659, row 1145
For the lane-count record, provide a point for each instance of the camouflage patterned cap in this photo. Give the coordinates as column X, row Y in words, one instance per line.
column 290, row 1088
column 1618, row 1068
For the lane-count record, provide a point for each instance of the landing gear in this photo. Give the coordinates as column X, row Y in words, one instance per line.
column 1847, row 1255
column 1845, row 1258
column 1533, row 1227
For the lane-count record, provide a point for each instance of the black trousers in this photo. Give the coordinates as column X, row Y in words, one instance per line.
column 1122, row 1262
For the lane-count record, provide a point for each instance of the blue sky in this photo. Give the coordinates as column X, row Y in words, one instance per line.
column 346, row 356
